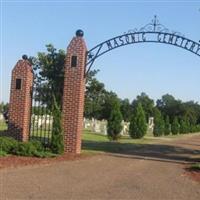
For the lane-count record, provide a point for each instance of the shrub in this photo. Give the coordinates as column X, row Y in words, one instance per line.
column 57, row 143
column 175, row 126
column 188, row 126
column 32, row 148
column 138, row 125
column 183, row 126
column 114, row 126
column 39, row 146
column 7, row 144
column 25, row 149
column 195, row 166
column 3, row 153
column 159, row 124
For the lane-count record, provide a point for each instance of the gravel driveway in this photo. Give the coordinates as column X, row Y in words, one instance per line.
column 154, row 172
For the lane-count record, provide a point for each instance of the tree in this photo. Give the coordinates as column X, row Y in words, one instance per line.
column 159, row 124
column 167, row 126
column 110, row 98
column 175, row 126
column 125, row 109
column 183, row 126
column 94, row 97
column 114, row 126
column 49, row 74
column 3, row 107
column 57, row 143
column 188, row 126
column 138, row 125
column 147, row 104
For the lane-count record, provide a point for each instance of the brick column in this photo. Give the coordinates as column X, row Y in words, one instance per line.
column 74, row 91
column 20, row 100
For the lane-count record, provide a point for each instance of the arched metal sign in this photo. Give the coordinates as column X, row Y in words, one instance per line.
column 152, row 32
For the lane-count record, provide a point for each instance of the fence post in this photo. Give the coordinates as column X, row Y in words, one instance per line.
column 20, row 100
column 74, row 91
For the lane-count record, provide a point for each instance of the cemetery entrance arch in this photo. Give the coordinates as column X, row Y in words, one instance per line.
column 79, row 61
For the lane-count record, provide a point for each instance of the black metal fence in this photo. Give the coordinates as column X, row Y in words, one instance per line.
column 41, row 116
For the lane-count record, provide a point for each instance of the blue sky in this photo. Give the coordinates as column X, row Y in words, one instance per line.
column 157, row 69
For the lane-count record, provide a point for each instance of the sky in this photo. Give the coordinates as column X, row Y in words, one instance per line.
column 156, row 69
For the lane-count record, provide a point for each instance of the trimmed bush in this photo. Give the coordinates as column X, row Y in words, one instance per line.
column 57, row 143
column 159, row 124
column 183, row 126
column 175, row 126
column 138, row 125
column 25, row 149
column 7, row 144
column 33, row 148
column 3, row 153
column 114, row 126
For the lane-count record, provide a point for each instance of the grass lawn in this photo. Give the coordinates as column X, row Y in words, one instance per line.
column 195, row 166
column 3, row 126
column 92, row 142
column 96, row 143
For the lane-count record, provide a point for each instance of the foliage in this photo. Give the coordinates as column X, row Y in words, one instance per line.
column 49, row 74
column 183, row 126
column 3, row 107
column 32, row 148
column 57, row 143
column 195, row 166
column 147, row 104
column 167, row 130
column 172, row 107
column 25, row 149
column 175, row 126
column 3, row 153
column 138, row 125
column 94, row 98
column 114, row 126
column 110, row 99
column 7, row 144
column 159, row 124
column 126, row 109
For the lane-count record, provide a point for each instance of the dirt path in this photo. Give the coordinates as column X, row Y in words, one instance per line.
column 151, row 172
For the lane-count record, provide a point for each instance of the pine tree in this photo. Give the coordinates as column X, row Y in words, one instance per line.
column 159, row 124
column 167, row 126
column 57, row 143
column 188, row 126
column 114, row 126
column 138, row 125
column 175, row 126
column 183, row 126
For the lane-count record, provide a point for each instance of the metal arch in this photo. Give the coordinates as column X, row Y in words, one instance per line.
column 153, row 32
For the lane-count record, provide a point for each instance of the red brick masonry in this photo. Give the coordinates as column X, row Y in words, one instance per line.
column 74, row 91
column 20, row 101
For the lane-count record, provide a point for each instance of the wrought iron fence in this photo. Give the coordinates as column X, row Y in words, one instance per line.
column 41, row 116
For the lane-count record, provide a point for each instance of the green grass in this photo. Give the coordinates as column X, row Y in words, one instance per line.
column 93, row 143
column 195, row 166
column 3, row 153
column 3, row 126
column 97, row 143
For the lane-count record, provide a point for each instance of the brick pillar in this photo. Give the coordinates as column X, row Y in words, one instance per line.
column 20, row 100
column 74, row 91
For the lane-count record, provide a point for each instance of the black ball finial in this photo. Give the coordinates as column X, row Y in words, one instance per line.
column 25, row 57
column 79, row 33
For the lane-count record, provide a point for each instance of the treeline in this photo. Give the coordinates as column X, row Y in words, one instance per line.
column 171, row 116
